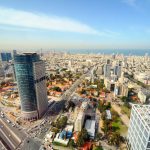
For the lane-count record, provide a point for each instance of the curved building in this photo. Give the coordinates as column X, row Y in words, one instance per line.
column 30, row 75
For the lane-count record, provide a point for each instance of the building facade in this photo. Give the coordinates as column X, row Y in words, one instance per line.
column 144, row 96
column 107, row 69
column 139, row 128
column 31, row 80
column 79, row 121
column 5, row 56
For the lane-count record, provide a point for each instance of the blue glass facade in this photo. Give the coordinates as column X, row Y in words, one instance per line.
column 25, row 79
column 6, row 56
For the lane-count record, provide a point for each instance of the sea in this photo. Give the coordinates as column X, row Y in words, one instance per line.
column 126, row 52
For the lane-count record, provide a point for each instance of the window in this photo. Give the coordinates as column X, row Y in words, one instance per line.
column 148, row 145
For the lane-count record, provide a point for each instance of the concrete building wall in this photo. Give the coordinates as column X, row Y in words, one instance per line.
column 40, row 87
column 79, row 121
column 139, row 131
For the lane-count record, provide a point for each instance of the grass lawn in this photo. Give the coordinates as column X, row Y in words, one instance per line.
column 119, row 126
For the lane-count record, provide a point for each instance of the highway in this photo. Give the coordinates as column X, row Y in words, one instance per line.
column 3, row 146
column 10, row 138
column 11, row 134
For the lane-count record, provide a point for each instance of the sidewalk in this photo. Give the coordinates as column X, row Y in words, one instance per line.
column 123, row 117
column 60, row 147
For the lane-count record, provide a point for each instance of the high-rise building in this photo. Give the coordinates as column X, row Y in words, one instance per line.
column 14, row 74
column 139, row 128
column 14, row 52
column 31, row 80
column 118, row 70
column 6, row 56
column 107, row 70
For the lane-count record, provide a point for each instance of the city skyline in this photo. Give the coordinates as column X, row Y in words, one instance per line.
column 121, row 24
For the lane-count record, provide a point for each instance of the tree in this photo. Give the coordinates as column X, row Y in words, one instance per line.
column 101, row 84
column 3, row 83
column 106, row 126
column 72, row 144
column 108, row 106
column 114, row 138
column 56, row 130
column 84, row 134
column 98, row 148
column 80, row 140
column 71, row 104
column 56, row 88
column 83, row 91
column 82, row 137
column 61, row 123
column 101, row 106
column 98, row 136
column 123, row 98
column 47, row 84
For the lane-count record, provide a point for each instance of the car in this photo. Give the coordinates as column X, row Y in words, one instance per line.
column 13, row 125
column 8, row 121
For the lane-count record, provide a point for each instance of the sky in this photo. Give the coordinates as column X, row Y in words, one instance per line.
column 74, row 24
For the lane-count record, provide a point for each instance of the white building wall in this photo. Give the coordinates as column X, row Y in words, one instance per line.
column 142, row 97
column 79, row 121
column 139, row 132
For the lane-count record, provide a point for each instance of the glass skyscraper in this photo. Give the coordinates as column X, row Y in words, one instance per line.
column 6, row 56
column 30, row 75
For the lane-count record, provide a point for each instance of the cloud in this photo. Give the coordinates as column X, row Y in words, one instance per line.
column 41, row 21
column 130, row 2
column 24, row 19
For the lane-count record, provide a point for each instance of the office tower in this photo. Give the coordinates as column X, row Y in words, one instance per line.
column 107, row 69
column 6, row 56
column 139, row 128
column 14, row 74
column 31, row 80
column 118, row 69
column 14, row 52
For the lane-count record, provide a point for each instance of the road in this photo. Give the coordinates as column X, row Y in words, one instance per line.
column 10, row 138
column 123, row 117
column 3, row 146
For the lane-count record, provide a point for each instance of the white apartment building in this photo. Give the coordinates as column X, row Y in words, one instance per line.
column 144, row 95
column 139, row 128
column 79, row 121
